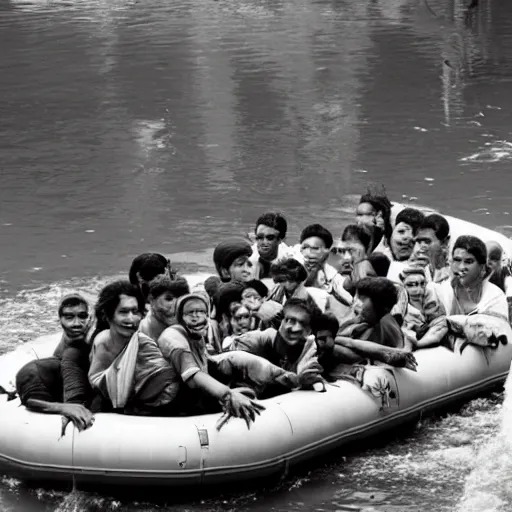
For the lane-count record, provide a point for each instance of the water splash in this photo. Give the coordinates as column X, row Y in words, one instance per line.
column 488, row 487
column 496, row 151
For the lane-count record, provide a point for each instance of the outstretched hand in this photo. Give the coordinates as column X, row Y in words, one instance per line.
column 239, row 403
column 79, row 415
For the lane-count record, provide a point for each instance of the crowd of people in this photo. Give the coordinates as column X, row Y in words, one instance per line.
column 275, row 318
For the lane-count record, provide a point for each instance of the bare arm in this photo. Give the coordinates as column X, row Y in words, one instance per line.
column 81, row 417
column 389, row 355
column 235, row 403
column 436, row 332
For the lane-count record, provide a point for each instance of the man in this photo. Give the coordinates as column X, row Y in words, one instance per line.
column 119, row 311
column 270, row 232
column 291, row 347
column 232, row 261
column 154, row 380
column 58, row 384
column 431, row 247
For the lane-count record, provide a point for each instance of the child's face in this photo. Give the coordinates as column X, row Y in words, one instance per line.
column 324, row 340
column 251, row 299
column 415, row 286
column 364, row 309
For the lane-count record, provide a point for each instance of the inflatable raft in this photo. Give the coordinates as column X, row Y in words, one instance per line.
column 142, row 451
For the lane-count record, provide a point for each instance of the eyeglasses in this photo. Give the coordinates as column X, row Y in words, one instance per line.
column 270, row 238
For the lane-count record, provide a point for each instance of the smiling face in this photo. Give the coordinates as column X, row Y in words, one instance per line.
column 75, row 320
column 127, row 316
column 267, row 241
column 295, row 326
column 241, row 269
column 402, row 241
column 466, row 268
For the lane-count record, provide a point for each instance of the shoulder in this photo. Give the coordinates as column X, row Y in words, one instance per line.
column 102, row 339
column 493, row 290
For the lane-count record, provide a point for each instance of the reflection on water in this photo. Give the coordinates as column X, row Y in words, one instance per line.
column 130, row 126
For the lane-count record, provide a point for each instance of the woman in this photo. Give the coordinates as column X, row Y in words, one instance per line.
column 469, row 291
column 183, row 345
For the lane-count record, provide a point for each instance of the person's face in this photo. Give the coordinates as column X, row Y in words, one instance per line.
column 415, row 286
column 466, row 268
column 195, row 316
column 240, row 319
column 241, row 269
column 288, row 285
column 251, row 299
column 324, row 340
column 494, row 263
column 314, row 251
column 365, row 214
column 364, row 309
column 402, row 241
column 164, row 308
column 267, row 241
column 75, row 320
column 427, row 245
column 295, row 326
column 349, row 253
column 127, row 316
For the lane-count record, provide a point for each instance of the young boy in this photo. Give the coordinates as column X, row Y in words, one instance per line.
column 58, row 384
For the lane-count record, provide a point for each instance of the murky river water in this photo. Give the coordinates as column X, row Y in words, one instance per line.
column 130, row 125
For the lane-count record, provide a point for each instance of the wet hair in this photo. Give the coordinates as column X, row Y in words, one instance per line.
column 225, row 296
column 498, row 277
column 381, row 291
column 257, row 286
column 162, row 284
column 275, row 221
column 474, row 246
column 412, row 217
column 319, row 231
column 378, row 198
column 304, row 305
column 71, row 301
column 358, row 232
column 109, row 298
column 438, row 224
column 290, row 269
column 327, row 322
column 380, row 263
